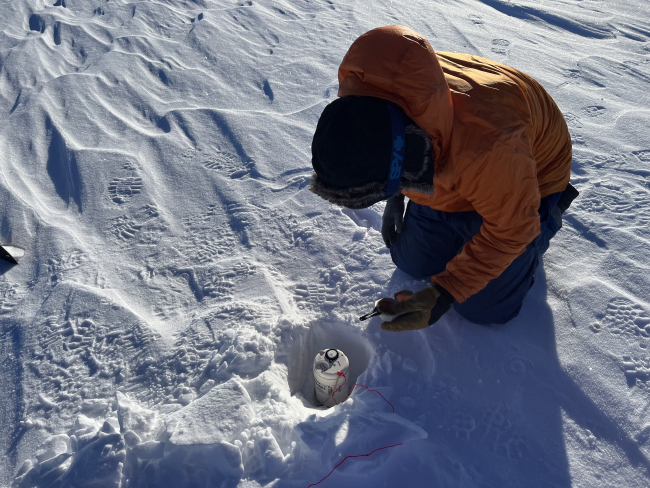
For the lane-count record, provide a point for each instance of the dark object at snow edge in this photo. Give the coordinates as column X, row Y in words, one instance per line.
column 4, row 254
column 568, row 195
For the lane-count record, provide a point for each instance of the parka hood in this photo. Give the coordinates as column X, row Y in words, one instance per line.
column 407, row 73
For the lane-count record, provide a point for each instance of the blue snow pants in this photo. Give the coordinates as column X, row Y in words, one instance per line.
column 431, row 238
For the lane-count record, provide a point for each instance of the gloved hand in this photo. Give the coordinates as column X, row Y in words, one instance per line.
column 421, row 310
column 393, row 219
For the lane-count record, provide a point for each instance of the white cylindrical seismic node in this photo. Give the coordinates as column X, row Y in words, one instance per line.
column 331, row 388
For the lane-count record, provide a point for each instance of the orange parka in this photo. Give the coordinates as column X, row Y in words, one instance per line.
column 499, row 141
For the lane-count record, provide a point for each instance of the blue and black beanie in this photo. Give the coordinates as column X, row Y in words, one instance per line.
column 353, row 148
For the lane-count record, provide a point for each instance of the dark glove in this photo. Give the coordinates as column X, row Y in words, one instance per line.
column 421, row 310
column 393, row 219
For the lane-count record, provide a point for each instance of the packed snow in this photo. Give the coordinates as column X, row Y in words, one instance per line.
column 178, row 277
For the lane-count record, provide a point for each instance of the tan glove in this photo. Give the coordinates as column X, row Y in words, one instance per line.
column 421, row 310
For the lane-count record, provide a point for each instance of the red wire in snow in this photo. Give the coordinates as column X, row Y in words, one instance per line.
column 341, row 373
column 370, row 389
column 358, row 455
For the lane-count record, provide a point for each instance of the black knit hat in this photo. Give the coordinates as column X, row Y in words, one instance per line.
column 352, row 142
column 352, row 148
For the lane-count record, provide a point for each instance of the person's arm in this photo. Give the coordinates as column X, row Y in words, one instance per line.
column 502, row 187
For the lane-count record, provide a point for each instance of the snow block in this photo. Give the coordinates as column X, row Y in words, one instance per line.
column 83, row 425
column 99, row 463
column 132, row 416
column 131, row 438
column 85, row 440
column 54, row 462
column 219, row 415
column 271, row 455
column 226, row 459
column 108, row 428
column 52, row 447
column 149, row 450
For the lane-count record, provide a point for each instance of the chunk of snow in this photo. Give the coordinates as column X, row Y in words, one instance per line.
column 52, row 463
column 45, row 402
column 95, row 407
column 83, row 424
column 107, row 428
column 131, row 438
column 227, row 459
column 99, row 463
column 270, row 454
column 205, row 387
column 136, row 418
column 52, row 447
column 149, row 450
column 217, row 416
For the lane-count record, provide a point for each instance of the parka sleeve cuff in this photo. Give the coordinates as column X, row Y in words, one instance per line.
column 453, row 286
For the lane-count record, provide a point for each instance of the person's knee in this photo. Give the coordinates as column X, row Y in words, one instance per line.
column 408, row 262
column 424, row 247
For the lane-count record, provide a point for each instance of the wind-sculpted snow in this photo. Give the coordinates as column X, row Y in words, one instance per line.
column 588, row 23
column 179, row 277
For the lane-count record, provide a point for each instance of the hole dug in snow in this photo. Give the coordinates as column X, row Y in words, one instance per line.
column 319, row 336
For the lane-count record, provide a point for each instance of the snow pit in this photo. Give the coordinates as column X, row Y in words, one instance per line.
column 325, row 335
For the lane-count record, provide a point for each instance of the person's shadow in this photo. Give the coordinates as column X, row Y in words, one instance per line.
column 499, row 409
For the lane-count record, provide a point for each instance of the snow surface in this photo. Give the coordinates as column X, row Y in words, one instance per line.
column 179, row 278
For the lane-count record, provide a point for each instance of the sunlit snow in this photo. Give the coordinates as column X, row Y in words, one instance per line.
column 178, row 277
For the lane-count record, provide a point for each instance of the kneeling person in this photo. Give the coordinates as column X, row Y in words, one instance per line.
column 480, row 149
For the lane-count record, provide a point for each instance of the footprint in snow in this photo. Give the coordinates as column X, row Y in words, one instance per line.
column 499, row 46
column 123, row 187
column 625, row 318
column 594, row 110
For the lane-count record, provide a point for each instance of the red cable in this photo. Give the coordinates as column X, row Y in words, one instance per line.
column 370, row 389
column 358, row 455
column 340, row 373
